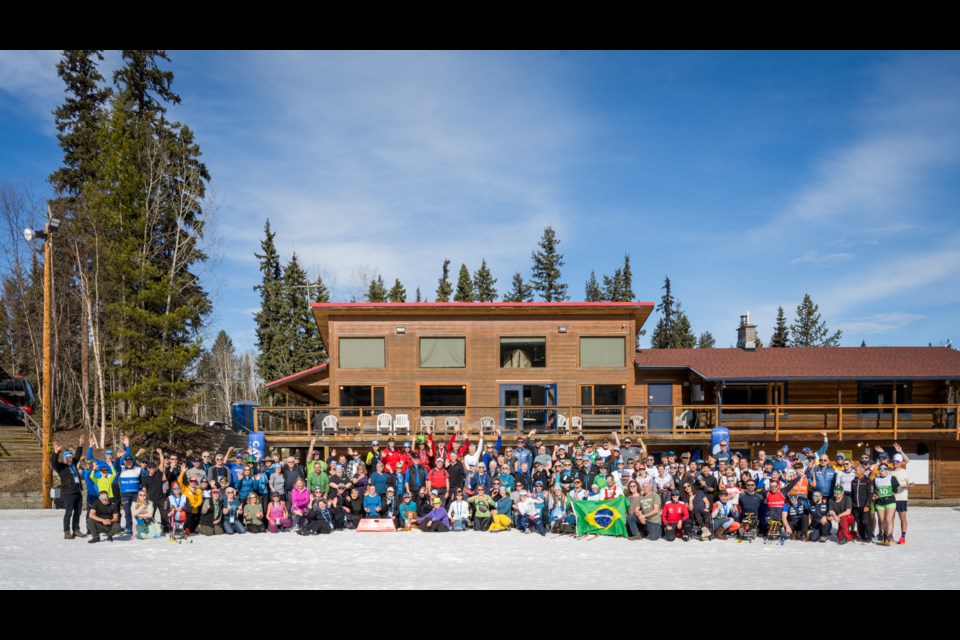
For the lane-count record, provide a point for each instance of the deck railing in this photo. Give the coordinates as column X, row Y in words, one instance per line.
column 674, row 422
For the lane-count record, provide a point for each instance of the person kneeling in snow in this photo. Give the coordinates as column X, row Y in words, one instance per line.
column 724, row 517
column 436, row 520
column 104, row 518
column 529, row 513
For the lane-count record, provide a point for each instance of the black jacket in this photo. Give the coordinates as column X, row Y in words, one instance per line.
column 861, row 492
column 154, row 486
column 69, row 475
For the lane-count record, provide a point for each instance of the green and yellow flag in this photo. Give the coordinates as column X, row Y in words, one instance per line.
column 605, row 517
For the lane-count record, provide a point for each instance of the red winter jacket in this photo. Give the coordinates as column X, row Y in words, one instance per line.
column 674, row 512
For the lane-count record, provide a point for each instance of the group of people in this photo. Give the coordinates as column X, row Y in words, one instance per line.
column 436, row 486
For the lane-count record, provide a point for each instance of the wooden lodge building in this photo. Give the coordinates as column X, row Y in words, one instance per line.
column 572, row 367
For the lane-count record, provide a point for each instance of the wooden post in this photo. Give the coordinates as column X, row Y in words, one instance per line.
column 623, row 413
column 286, row 413
column 895, row 411
column 309, row 426
column 46, row 470
column 256, row 419
column 840, row 421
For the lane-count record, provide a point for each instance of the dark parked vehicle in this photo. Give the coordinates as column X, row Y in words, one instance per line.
column 17, row 391
column 10, row 416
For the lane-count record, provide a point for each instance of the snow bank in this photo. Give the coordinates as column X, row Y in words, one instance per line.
column 33, row 554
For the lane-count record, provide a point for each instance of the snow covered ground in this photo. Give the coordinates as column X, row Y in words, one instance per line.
column 33, row 554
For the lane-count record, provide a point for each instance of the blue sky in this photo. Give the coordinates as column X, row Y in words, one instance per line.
column 748, row 178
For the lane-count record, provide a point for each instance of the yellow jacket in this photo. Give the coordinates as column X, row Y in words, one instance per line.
column 193, row 496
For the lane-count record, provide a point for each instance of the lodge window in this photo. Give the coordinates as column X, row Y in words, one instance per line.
column 449, row 353
column 881, row 392
column 362, row 396
column 602, row 395
column 447, row 400
column 602, row 352
column 362, row 353
column 523, row 353
column 741, row 394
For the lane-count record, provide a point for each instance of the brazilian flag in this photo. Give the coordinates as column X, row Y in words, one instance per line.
column 606, row 517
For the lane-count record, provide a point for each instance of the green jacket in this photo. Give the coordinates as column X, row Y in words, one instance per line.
column 104, row 483
column 321, row 480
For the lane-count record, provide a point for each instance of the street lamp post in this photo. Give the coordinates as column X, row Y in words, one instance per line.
column 46, row 473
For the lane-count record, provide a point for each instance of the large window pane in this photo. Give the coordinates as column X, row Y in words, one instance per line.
column 362, row 353
column 602, row 352
column 443, row 396
column 523, row 353
column 355, row 396
column 443, row 352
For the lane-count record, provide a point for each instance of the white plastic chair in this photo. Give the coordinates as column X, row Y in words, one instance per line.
column 563, row 423
column 427, row 422
column 487, row 424
column 401, row 422
column 576, row 424
column 451, row 422
column 639, row 423
column 384, row 423
column 685, row 421
column 329, row 423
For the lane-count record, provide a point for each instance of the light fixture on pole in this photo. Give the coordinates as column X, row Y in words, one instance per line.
column 46, row 474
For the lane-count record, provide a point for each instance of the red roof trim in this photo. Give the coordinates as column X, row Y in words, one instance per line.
column 478, row 305
column 295, row 376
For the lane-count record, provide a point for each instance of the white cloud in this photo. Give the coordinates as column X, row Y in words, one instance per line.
column 31, row 76
column 814, row 257
column 402, row 160
column 879, row 323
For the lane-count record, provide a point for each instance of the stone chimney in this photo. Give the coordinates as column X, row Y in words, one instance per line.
column 746, row 334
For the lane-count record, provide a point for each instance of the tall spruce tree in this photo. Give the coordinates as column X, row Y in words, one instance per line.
column 149, row 197
column 809, row 330
column 464, row 286
column 626, row 294
column 444, row 288
column 269, row 320
column 419, row 298
column 485, row 285
column 547, row 260
column 781, row 333
column 592, row 292
column 377, row 291
column 299, row 341
column 397, row 293
column 520, row 291
column 673, row 330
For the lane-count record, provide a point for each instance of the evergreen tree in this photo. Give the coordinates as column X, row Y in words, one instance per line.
column 626, row 282
column 619, row 287
column 300, row 344
column 781, row 334
column 706, row 341
column 808, row 330
column 547, row 261
column 863, row 343
column 320, row 291
column 484, row 283
column 419, row 297
column 444, row 288
column 663, row 333
column 520, row 292
column 376, row 292
column 149, row 198
column 268, row 319
column 464, row 286
column 592, row 292
column 397, row 293
column 612, row 285
column 673, row 330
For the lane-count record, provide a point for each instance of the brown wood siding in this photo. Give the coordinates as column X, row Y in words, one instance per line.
column 482, row 374
column 947, row 480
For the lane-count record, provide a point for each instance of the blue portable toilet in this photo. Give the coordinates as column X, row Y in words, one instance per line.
column 242, row 414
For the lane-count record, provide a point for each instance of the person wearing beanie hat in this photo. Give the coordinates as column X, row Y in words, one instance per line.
column 104, row 518
column 71, row 491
